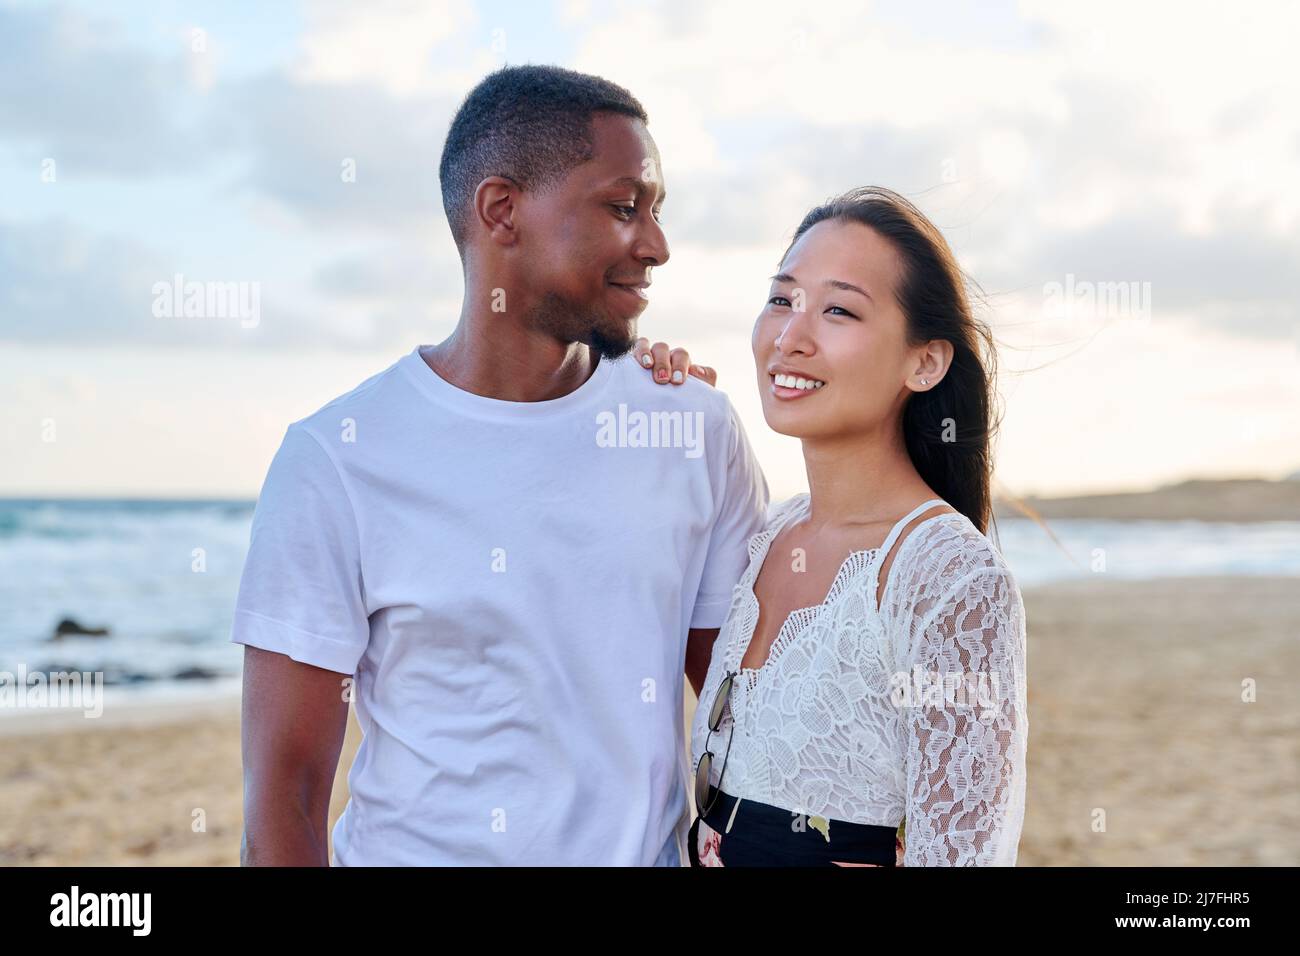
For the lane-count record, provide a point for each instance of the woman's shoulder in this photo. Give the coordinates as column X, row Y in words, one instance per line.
column 947, row 570
column 944, row 551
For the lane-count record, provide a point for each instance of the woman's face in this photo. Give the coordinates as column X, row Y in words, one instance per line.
column 831, row 316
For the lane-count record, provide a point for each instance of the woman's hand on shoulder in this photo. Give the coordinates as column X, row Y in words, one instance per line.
column 670, row 365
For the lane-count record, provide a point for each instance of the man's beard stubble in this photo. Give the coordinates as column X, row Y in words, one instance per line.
column 567, row 322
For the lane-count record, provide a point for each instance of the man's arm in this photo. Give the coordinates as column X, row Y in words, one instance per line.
column 699, row 648
column 294, row 719
column 742, row 513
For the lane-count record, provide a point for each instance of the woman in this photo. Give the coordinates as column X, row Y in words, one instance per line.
column 870, row 677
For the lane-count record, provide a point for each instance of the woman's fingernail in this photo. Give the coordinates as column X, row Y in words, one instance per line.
column 662, row 375
column 677, row 377
column 646, row 360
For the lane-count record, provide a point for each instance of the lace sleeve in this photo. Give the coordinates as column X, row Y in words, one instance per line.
column 966, row 729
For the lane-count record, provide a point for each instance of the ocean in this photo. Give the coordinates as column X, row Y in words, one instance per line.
column 162, row 576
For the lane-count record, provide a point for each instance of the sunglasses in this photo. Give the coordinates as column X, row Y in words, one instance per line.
column 705, row 767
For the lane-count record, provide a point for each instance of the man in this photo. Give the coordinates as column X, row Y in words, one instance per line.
column 513, row 540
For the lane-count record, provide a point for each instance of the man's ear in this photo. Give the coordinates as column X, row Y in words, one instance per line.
column 932, row 365
column 494, row 209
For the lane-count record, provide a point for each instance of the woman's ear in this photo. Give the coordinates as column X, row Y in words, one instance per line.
column 932, row 365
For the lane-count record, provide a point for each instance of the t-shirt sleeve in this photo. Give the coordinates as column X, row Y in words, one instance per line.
column 301, row 592
column 741, row 514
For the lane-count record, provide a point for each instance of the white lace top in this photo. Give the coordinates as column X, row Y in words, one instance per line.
column 850, row 718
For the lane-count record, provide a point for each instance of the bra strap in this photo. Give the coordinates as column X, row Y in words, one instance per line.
column 894, row 532
column 897, row 529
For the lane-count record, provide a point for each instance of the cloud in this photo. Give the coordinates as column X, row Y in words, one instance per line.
column 339, row 156
column 62, row 285
column 76, row 92
column 1236, row 279
column 399, row 46
column 58, row 284
column 1112, row 143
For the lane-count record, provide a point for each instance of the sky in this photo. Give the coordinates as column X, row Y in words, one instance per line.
column 1118, row 178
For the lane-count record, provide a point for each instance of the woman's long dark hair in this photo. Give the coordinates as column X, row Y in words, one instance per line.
column 949, row 428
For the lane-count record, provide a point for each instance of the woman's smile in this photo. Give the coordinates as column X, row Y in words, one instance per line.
column 789, row 383
column 788, row 386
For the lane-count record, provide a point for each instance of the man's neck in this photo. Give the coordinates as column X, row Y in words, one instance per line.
column 498, row 358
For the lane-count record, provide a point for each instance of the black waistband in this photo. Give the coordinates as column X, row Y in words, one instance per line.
column 764, row 835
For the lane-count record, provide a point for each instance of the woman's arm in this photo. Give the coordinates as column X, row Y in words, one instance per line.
column 699, row 652
column 966, row 739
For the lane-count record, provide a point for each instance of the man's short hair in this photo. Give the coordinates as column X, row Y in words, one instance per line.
column 531, row 124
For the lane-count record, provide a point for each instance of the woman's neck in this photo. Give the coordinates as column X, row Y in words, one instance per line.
column 860, row 480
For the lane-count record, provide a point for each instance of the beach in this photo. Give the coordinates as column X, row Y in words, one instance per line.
column 1141, row 749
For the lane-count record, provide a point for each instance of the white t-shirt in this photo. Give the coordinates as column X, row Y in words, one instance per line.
column 511, row 584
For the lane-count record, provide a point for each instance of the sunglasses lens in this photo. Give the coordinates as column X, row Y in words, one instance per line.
column 719, row 703
column 702, row 771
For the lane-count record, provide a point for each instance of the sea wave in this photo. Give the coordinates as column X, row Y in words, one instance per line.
column 163, row 576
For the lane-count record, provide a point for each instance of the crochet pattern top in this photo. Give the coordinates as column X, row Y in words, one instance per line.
column 911, row 710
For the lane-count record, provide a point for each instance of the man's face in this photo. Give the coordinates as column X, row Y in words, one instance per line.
column 588, row 243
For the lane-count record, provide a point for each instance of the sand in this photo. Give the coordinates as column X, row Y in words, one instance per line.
column 1135, row 702
column 123, row 789
column 1135, row 710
